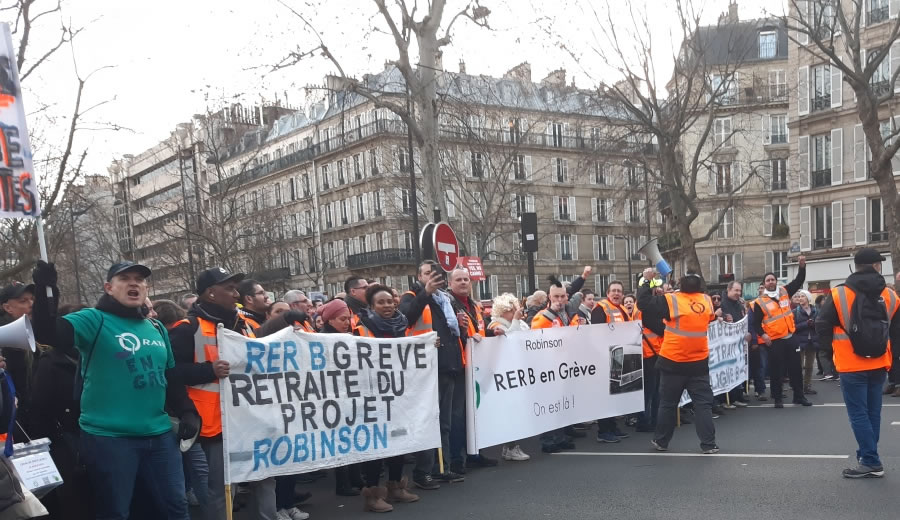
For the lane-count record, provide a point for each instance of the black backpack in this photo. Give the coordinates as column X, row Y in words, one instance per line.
column 869, row 326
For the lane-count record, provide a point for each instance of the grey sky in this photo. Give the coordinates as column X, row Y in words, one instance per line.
column 176, row 58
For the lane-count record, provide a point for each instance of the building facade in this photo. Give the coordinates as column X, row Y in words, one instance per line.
column 326, row 193
column 745, row 157
column 835, row 203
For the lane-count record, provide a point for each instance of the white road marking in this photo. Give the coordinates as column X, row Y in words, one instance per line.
column 820, row 405
column 729, row 455
column 895, row 423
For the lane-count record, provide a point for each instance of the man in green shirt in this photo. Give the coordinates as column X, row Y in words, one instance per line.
column 125, row 364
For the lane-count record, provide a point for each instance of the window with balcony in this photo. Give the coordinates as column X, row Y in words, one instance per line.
column 565, row 247
column 357, row 167
column 779, row 221
column 516, row 130
column 822, row 223
column 778, row 128
column 562, row 206
column 373, row 162
column 520, row 173
column 726, row 223
column 376, row 202
column 340, row 173
column 304, row 182
column 768, row 44
column 722, row 132
column 599, row 173
column 311, row 260
column 777, row 85
column 877, row 11
column 603, row 246
column 308, row 222
column 602, row 210
column 877, row 231
column 344, row 219
column 557, row 134
column 477, row 164
column 881, row 77
column 326, row 178
column 635, row 211
column 562, row 170
column 360, row 208
column 277, row 190
column 721, row 264
column 403, row 161
column 821, row 160
column 779, row 174
column 329, row 216
column 723, row 178
column 633, row 244
column 724, row 89
column 632, row 175
column 821, row 83
column 405, row 202
column 780, row 263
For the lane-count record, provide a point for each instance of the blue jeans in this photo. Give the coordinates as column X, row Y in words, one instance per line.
column 862, row 395
column 115, row 464
column 759, row 367
column 197, row 471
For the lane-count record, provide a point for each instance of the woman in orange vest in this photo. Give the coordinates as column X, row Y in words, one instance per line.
column 683, row 356
column 773, row 322
column 862, row 378
column 383, row 320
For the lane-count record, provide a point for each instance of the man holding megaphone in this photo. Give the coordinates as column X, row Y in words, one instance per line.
column 16, row 300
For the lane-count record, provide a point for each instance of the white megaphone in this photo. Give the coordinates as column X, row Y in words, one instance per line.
column 18, row 334
column 651, row 251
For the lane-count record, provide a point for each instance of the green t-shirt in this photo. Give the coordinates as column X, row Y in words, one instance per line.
column 124, row 377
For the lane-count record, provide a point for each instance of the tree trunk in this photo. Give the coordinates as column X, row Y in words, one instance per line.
column 426, row 102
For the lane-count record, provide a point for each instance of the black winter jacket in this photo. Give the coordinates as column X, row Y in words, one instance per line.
column 412, row 305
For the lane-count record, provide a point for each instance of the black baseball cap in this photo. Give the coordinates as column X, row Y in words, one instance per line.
column 868, row 256
column 15, row 290
column 127, row 265
column 215, row 276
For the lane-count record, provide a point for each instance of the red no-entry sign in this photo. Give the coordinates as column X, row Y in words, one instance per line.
column 446, row 247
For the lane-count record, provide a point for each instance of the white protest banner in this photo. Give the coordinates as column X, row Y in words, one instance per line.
column 296, row 402
column 18, row 185
column 728, row 366
column 526, row 383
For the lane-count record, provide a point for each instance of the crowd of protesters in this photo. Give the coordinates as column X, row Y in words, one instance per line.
column 116, row 413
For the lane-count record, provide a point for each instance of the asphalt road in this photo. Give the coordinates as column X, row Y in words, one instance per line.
column 782, row 464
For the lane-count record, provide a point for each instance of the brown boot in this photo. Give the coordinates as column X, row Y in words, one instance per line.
column 375, row 503
column 397, row 492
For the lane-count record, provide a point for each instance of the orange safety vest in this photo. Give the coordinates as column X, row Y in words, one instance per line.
column 614, row 313
column 422, row 325
column 778, row 319
column 685, row 339
column 363, row 331
column 206, row 396
column 651, row 342
column 845, row 359
column 546, row 319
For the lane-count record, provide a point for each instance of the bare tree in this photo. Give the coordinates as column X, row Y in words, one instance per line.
column 58, row 160
column 672, row 121
column 838, row 33
column 420, row 77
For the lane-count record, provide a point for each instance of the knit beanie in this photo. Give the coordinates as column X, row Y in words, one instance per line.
column 332, row 309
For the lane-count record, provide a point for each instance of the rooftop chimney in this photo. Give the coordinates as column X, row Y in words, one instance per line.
column 462, row 66
column 733, row 12
column 521, row 72
column 557, row 78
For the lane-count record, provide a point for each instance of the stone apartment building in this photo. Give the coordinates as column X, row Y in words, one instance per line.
column 835, row 204
column 326, row 193
column 747, row 151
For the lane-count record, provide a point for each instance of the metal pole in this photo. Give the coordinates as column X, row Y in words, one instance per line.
column 75, row 251
column 530, row 285
column 184, row 211
column 647, row 202
column 413, row 195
